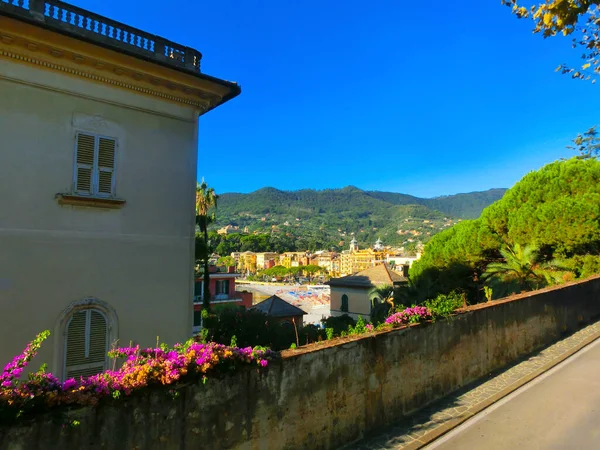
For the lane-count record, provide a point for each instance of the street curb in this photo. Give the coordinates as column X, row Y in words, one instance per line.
column 431, row 436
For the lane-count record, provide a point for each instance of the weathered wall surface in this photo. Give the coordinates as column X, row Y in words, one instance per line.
column 325, row 398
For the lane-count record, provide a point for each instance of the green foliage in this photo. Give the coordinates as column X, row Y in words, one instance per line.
column 579, row 19
column 587, row 144
column 523, row 241
column 359, row 328
column 226, row 261
column 206, row 203
column 293, row 346
column 283, row 272
column 329, row 332
column 558, row 207
column 444, row 305
column 382, row 299
column 488, row 293
column 251, row 328
column 339, row 324
column 453, row 259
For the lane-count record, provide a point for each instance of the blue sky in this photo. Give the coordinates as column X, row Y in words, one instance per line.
column 424, row 98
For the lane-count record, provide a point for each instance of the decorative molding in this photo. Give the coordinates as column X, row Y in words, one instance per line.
column 91, row 202
column 75, row 64
column 96, row 124
column 61, row 324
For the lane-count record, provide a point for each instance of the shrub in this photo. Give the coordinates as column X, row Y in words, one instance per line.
column 444, row 305
column 339, row 323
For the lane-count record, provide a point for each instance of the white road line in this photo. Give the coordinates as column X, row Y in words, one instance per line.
column 481, row 415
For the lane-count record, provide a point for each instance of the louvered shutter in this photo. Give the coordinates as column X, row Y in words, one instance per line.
column 106, row 166
column 84, row 164
column 86, row 344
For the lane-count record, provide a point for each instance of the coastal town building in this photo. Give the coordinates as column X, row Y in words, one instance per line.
column 283, row 311
column 100, row 130
column 354, row 294
column 294, row 259
column 222, row 289
column 265, row 260
column 355, row 260
column 246, row 262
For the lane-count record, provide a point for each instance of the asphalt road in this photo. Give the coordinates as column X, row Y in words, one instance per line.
column 559, row 410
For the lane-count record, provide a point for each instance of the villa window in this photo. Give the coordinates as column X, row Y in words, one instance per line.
column 222, row 287
column 344, row 307
column 86, row 343
column 94, row 172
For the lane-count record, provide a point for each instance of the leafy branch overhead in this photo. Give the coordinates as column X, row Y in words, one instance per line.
column 577, row 18
column 587, row 144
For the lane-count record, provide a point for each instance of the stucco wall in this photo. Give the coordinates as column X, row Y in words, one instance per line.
column 138, row 259
column 359, row 301
column 328, row 397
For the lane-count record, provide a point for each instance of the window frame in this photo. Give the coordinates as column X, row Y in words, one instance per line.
column 87, row 338
column 224, row 283
column 344, row 299
column 95, row 177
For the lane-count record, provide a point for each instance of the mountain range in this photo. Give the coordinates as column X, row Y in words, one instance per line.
column 336, row 214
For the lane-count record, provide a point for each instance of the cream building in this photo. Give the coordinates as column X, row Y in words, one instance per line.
column 97, row 182
column 354, row 294
column 263, row 258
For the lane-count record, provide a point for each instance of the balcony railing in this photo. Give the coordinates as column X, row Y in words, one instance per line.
column 219, row 298
column 79, row 23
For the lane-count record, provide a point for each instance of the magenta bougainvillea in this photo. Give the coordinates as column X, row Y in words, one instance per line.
column 414, row 314
column 141, row 368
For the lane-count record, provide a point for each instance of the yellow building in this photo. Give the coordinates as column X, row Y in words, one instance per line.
column 328, row 261
column 293, row 259
column 262, row 259
column 99, row 152
column 355, row 260
column 247, row 263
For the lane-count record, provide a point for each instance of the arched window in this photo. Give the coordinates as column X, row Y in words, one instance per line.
column 86, row 343
column 88, row 328
column 344, row 306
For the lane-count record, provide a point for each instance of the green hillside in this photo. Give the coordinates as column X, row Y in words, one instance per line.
column 332, row 216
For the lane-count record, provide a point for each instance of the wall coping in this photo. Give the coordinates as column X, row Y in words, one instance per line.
column 340, row 341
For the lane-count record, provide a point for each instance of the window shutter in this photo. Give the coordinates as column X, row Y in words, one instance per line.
column 106, row 166
column 86, row 344
column 84, row 163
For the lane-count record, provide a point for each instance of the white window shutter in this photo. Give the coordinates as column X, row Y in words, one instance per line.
column 84, row 164
column 86, row 345
column 106, row 166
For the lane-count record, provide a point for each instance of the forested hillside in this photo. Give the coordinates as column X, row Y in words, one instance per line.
column 330, row 216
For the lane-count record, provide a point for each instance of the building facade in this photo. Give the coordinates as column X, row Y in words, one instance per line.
column 354, row 295
column 97, row 183
column 222, row 292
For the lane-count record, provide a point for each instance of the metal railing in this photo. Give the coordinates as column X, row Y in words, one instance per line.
column 80, row 23
column 225, row 298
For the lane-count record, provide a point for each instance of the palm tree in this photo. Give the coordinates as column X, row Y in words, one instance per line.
column 523, row 267
column 206, row 203
column 519, row 265
column 382, row 299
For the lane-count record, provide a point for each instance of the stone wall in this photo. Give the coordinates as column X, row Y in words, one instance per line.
column 327, row 397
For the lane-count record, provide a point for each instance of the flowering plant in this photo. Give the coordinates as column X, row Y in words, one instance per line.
column 141, row 368
column 414, row 314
